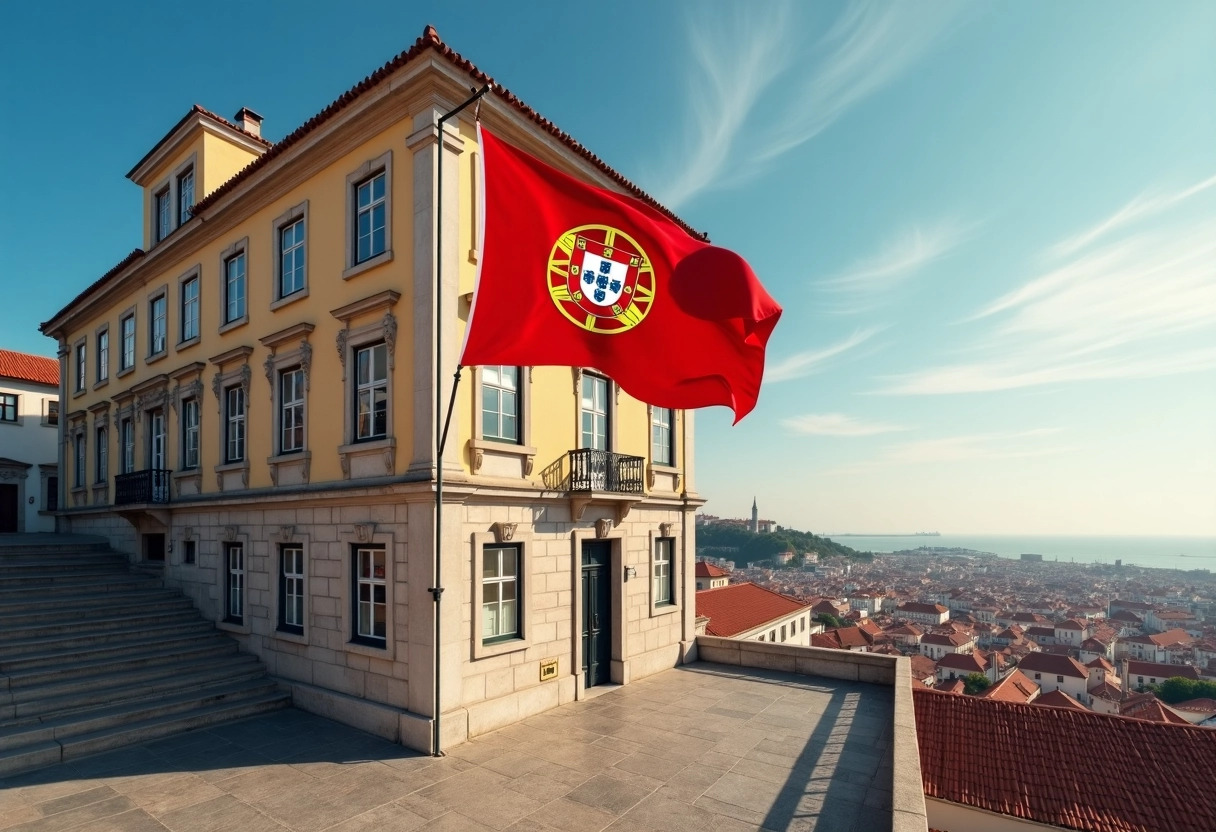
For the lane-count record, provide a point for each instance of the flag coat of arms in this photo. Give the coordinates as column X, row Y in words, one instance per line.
column 575, row 275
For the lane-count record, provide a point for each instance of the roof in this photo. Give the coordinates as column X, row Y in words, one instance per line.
column 708, row 570
column 1059, row 699
column 1175, row 636
column 199, row 111
column 1053, row 663
column 428, row 41
column 931, row 609
column 1016, row 687
column 741, row 607
column 946, row 639
column 1161, row 671
column 962, row 661
column 1069, row 785
column 1150, row 707
column 1201, row 705
column 1102, row 664
column 35, row 369
column 951, row 686
column 1070, row 624
column 922, row 666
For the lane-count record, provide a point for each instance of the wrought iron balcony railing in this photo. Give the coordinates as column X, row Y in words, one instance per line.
column 149, row 486
column 592, row 470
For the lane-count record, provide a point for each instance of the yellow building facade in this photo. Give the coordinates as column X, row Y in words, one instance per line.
column 252, row 394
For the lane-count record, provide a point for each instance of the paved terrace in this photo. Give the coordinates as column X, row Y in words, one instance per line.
column 701, row 747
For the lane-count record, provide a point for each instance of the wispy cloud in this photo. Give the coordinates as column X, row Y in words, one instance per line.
column 836, row 424
column 965, row 448
column 1139, row 305
column 811, row 361
column 761, row 56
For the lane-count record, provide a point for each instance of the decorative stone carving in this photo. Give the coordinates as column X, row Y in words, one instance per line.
column 138, row 407
column 390, row 457
column 364, row 532
column 246, row 378
column 244, row 478
column 217, row 387
column 341, row 341
column 577, row 372
column 390, row 336
column 529, row 461
column 286, row 533
column 478, row 459
column 307, row 470
column 176, row 399
column 503, row 532
column 306, row 361
column 187, row 532
column 665, row 529
column 649, row 476
column 274, row 473
column 268, row 366
column 230, row 533
column 603, row 526
column 219, row 480
column 344, row 460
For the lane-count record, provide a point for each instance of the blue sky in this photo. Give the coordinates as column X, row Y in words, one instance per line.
column 992, row 226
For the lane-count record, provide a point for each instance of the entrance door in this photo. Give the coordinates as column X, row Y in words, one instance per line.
column 597, row 612
column 8, row 508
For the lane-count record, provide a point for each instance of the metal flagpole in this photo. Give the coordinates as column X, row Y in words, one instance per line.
column 441, row 433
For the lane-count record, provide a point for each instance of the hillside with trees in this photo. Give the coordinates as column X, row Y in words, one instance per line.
column 742, row 545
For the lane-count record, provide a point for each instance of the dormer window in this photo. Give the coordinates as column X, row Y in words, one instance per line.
column 185, row 195
column 162, row 215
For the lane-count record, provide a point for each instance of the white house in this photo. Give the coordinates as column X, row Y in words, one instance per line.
column 1071, row 633
column 29, row 433
column 709, row 576
column 748, row 611
column 937, row 645
column 931, row 614
column 1155, row 647
column 1052, row 671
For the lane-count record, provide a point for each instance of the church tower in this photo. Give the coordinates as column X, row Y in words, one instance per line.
column 755, row 527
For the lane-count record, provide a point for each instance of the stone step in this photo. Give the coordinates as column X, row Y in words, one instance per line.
column 31, row 545
column 83, row 613
column 84, row 601
column 51, row 752
column 13, row 635
column 12, row 653
column 103, row 719
column 150, row 652
column 116, row 582
column 15, row 563
column 32, row 704
column 68, row 576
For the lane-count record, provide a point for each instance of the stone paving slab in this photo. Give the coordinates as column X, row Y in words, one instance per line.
column 704, row 748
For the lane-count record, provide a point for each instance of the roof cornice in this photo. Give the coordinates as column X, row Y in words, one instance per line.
column 200, row 118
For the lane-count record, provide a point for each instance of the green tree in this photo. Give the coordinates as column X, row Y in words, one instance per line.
column 1179, row 689
column 828, row 620
column 975, row 683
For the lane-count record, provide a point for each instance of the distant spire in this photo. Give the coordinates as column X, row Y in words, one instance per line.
column 753, row 503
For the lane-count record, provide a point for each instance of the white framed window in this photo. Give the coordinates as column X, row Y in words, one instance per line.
column 291, row 258
column 660, row 436
column 103, row 456
column 594, row 412
column 291, row 410
column 185, row 194
column 78, row 474
column 157, row 325
column 126, row 433
column 663, row 594
column 190, row 427
column 51, row 417
column 234, row 288
column 371, row 203
column 500, row 593
column 369, row 598
column 234, row 424
column 234, row 581
column 371, row 392
column 8, row 407
column 500, row 400
column 189, row 308
column 127, row 327
column 291, row 588
column 81, row 366
column 162, row 214
column 156, row 439
column 103, row 355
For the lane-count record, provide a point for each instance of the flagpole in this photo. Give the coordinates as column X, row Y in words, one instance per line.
column 436, row 589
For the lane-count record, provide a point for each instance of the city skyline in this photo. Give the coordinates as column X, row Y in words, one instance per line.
column 992, row 229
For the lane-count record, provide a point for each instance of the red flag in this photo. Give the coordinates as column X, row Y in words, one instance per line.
column 579, row 276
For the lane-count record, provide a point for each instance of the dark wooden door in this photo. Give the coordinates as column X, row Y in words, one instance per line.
column 597, row 612
column 8, row 508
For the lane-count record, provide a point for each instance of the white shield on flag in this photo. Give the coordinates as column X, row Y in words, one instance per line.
column 602, row 280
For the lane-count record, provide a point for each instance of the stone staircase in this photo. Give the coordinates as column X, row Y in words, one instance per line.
column 95, row 655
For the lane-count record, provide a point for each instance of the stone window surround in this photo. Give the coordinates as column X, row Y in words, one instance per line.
column 80, row 456
column 348, row 341
column 276, row 362
column 195, row 271
column 653, row 467
column 170, row 183
column 614, row 399
column 126, row 407
column 524, row 450
column 80, row 366
column 187, row 384
column 287, row 536
column 296, row 212
column 149, row 395
column 101, row 421
column 504, row 534
column 189, row 533
column 241, row 246
column 350, row 539
column 129, row 312
column 242, row 375
column 616, row 577
column 666, row 531
column 103, row 329
column 233, row 534
column 161, row 291
column 371, row 167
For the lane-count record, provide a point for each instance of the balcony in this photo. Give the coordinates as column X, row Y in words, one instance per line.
column 592, row 470
column 142, row 487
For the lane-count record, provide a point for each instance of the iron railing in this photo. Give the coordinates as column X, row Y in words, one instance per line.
column 149, row 486
column 592, row 470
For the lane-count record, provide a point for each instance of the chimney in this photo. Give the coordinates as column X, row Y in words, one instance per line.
column 249, row 121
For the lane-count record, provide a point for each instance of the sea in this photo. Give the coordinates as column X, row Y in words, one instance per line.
column 1163, row 552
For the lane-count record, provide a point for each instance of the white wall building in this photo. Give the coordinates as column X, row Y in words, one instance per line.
column 29, row 434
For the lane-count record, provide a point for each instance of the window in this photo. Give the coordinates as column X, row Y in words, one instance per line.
column 185, row 195
column 369, row 596
column 291, row 589
column 234, row 288
column 803, row 622
column 1060, row 679
column 103, row 355
column 52, row 493
column 662, row 571
column 80, row 366
column 156, row 439
column 234, row 424
column 595, row 412
column 52, row 412
column 189, row 324
column 8, row 407
column 660, row 436
column 103, row 455
column 128, row 342
column 78, row 472
column 190, row 434
column 1038, row 675
column 189, row 551
column 371, row 392
column 500, row 403
column 291, row 411
column 126, row 431
column 783, row 632
column 370, row 206
column 234, row 570
column 156, row 325
column 291, row 258
column 161, row 215
column 772, row 635
column 500, row 593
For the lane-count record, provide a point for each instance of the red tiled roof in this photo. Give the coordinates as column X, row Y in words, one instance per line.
column 1166, row 786
column 928, row 609
column 1126, row 615
column 198, row 109
column 1059, row 699
column 708, row 570
column 1016, row 687
column 1106, row 690
column 35, row 369
column 1101, row 663
column 1149, row 707
column 922, row 667
column 1053, row 663
column 1169, row 637
column 1161, row 671
column 963, row 662
column 741, row 607
column 1070, row 624
column 1201, row 705
column 951, row 686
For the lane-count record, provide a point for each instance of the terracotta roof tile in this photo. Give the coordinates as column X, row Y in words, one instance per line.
column 1016, row 687
column 708, row 570
column 1161, row 671
column 22, row 366
column 1060, row 699
column 1164, row 783
column 741, row 607
column 1053, row 663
